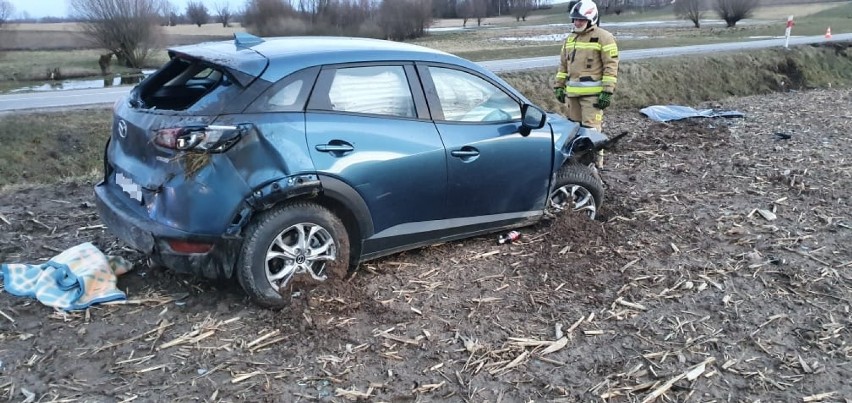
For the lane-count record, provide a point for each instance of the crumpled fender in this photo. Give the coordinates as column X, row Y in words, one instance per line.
column 571, row 139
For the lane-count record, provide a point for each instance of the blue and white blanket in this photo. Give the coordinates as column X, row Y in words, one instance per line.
column 75, row 279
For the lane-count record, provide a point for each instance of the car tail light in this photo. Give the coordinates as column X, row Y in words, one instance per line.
column 215, row 139
column 168, row 137
column 189, row 247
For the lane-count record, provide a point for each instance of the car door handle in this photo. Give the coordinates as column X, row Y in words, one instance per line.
column 464, row 153
column 335, row 148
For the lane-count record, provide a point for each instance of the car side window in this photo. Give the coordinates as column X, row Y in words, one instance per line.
column 465, row 97
column 204, row 73
column 286, row 97
column 377, row 90
column 289, row 94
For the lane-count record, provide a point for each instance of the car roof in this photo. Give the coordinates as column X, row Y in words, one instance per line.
column 285, row 55
column 315, row 45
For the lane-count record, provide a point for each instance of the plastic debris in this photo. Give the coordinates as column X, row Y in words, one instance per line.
column 665, row 113
column 509, row 237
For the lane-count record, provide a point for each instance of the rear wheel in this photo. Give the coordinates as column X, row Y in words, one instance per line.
column 577, row 188
column 290, row 248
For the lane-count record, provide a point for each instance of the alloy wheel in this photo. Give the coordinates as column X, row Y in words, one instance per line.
column 303, row 248
column 574, row 197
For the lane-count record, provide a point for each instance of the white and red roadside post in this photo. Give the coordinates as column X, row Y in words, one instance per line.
column 787, row 32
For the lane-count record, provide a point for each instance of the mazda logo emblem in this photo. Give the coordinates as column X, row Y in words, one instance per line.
column 122, row 128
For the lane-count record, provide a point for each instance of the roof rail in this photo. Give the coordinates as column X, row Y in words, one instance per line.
column 246, row 40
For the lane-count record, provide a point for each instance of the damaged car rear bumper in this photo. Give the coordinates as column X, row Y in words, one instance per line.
column 155, row 239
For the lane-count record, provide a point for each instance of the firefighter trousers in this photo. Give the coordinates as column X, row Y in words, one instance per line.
column 583, row 110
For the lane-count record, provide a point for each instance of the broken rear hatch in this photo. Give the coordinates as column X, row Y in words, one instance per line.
column 148, row 158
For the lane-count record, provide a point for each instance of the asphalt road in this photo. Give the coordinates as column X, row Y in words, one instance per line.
column 552, row 61
column 61, row 99
column 75, row 98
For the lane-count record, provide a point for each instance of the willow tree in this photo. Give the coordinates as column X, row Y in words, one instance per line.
column 691, row 10
column 732, row 11
column 127, row 28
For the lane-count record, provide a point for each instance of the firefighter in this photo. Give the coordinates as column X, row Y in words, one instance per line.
column 588, row 69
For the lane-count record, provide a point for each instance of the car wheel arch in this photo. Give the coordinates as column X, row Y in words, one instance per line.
column 349, row 205
column 343, row 201
column 328, row 191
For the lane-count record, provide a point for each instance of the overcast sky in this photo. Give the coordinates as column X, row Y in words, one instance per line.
column 59, row 8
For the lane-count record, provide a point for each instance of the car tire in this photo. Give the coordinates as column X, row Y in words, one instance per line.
column 273, row 247
column 581, row 185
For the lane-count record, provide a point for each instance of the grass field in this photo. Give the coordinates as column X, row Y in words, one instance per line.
column 51, row 147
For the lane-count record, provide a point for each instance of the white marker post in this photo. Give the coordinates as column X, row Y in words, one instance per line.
column 787, row 32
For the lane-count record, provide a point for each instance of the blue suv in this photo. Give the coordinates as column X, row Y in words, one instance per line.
column 285, row 162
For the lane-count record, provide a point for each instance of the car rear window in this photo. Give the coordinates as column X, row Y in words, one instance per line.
column 182, row 84
column 375, row 90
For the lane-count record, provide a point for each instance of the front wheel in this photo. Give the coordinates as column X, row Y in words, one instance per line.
column 577, row 188
column 289, row 247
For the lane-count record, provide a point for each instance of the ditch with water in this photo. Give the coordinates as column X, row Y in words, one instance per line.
column 16, row 87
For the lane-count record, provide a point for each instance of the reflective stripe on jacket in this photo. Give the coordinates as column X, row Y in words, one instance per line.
column 588, row 63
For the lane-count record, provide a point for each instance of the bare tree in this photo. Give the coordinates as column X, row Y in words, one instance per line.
column 691, row 10
column 6, row 11
column 405, row 19
column 197, row 13
column 265, row 17
column 444, row 8
column 223, row 14
column 128, row 29
column 521, row 8
column 168, row 14
column 480, row 11
column 734, row 10
column 422, row 15
column 464, row 9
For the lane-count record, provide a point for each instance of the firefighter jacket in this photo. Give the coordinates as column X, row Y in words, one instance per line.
column 588, row 63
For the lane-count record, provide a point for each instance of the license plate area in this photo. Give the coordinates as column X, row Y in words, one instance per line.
column 129, row 187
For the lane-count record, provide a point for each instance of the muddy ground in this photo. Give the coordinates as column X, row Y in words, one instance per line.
column 720, row 269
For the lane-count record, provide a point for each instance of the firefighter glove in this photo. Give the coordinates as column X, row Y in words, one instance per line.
column 559, row 92
column 604, row 99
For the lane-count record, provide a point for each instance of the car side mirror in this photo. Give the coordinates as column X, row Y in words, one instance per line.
column 531, row 118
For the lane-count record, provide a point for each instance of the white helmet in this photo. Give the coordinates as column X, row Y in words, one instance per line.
column 585, row 10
